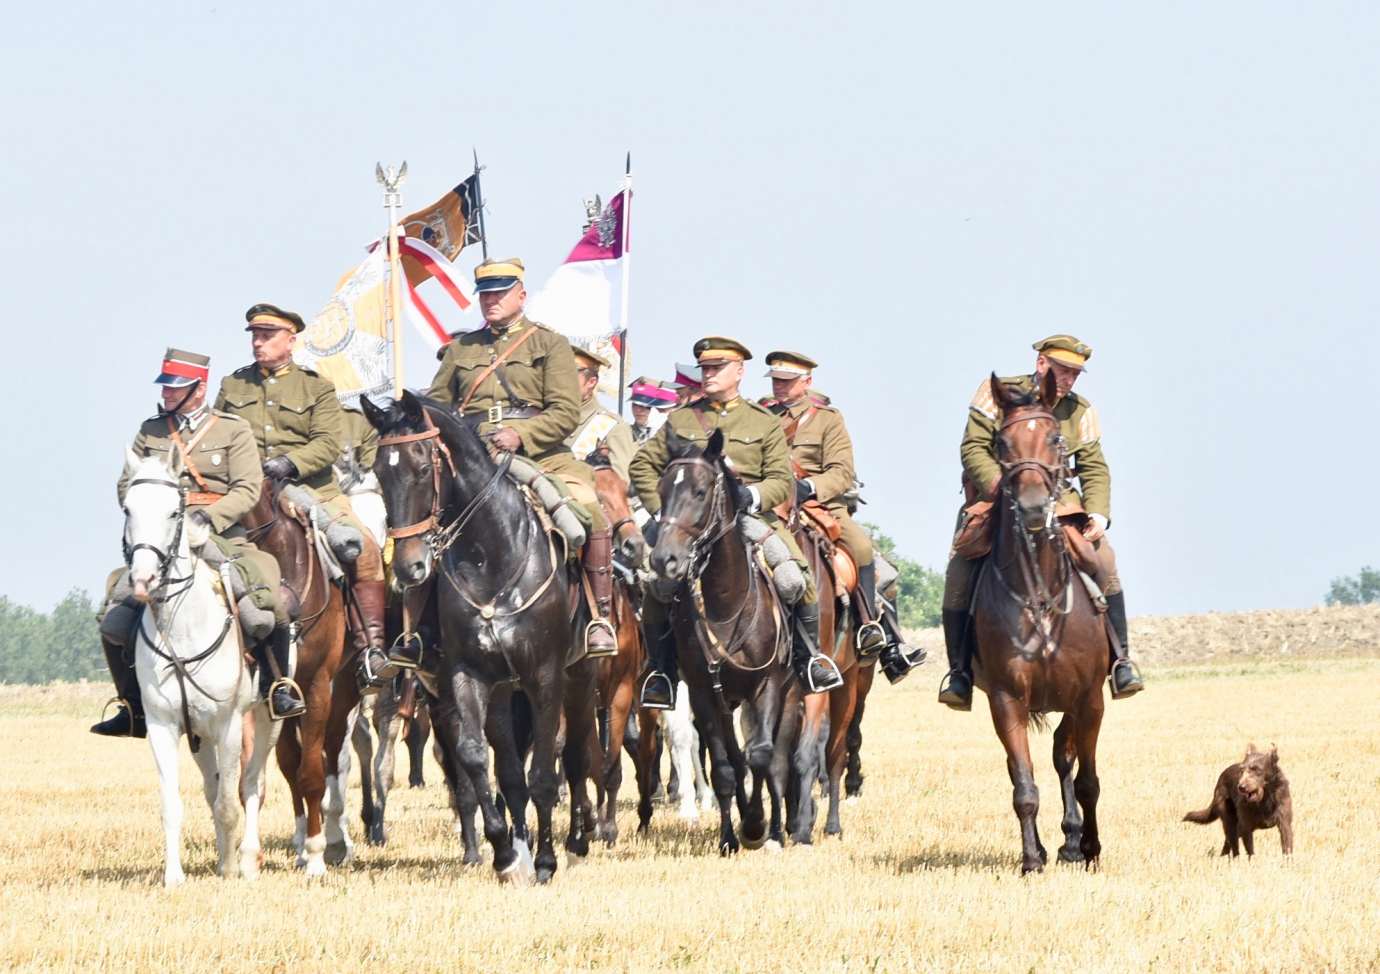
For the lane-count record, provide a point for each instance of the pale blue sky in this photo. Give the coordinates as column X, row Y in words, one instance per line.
column 910, row 192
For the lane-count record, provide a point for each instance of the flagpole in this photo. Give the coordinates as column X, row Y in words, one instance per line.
column 390, row 179
column 479, row 205
column 627, row 273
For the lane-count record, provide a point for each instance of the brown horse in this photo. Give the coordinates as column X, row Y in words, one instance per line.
column 309, row 746
column 1041, row 645
column 618, row 674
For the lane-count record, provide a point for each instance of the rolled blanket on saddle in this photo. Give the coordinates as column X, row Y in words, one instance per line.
column 255, row 621
column 344, row 540
column 785, row 573
column 570, row 517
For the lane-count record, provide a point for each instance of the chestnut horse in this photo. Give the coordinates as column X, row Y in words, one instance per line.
column 1041, row 645
column 309, row 746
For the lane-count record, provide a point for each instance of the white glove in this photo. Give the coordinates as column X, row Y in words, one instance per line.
column 1097, row 527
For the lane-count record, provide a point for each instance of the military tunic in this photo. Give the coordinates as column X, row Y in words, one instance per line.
column 228, row 461
column 600, row 427
column 823, row 450
column 541, row 375
column 755, row 446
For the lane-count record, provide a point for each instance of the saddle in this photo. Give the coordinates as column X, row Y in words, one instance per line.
column 973, row 539
column 822, row 529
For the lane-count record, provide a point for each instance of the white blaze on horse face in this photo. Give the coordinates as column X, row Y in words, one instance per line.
column 1030, row 425
column 680, row 475
column 393, row 458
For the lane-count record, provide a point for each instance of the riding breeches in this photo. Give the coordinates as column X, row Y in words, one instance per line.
column 369, row 564
column 578, row 477
column 852, row 536
column 959, row 575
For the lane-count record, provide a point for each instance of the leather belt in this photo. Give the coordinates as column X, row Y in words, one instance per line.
column 202, row 498
column 498, row 412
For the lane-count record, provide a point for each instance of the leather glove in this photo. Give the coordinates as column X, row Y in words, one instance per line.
column 651, row 531
column 280, row 468
column 804, row 490
column 742, row 497
column 199, row 528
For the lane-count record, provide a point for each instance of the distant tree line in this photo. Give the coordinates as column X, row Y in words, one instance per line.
column 1362, row 589
column 64, row 644
column 920, row 590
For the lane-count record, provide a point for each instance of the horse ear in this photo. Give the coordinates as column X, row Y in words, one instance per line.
column 999, row 394
column 1049, row 390
column 715, row 448
column 412, row 406
column 372, row 413
column 132, row 460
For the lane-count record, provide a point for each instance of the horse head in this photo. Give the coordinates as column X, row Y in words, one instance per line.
column 697, row 508
column 154, row 506
column 409, row 468
column 1030, row 450
column 612, row 491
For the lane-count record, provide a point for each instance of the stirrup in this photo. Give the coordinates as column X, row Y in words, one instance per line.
column 859, row 640
column 106, row 709
column 593, row 653
column 949, row 698
column 833, row 684
column 366, row 679
column 642, row 691
column 278, row 684
column 403, row 645
column 1137, row 685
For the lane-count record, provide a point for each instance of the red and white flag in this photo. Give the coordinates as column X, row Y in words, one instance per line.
column 586, row 298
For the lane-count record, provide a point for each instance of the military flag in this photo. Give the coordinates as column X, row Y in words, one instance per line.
column 586, row 299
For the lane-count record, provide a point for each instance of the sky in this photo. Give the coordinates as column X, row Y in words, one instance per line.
column 911, row 193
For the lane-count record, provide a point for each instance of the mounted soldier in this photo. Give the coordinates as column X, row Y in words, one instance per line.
column 213, row 453
column 600, row 429
column 756, row 448
column 647, row 395
column 515, row 382
column 296, row 422
column 822, row 457
column 1087, row 509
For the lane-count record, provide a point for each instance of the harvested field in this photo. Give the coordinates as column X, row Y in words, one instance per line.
column 925, row 877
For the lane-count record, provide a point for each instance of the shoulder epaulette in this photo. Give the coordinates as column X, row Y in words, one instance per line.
column 760, row 408
column 245, row 372
column 311, row 372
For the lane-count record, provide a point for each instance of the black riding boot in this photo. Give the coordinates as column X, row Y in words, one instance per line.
column 871, row 639
column 659, row 685
column 957, row 689
column 1125, row 678
column 128, row 720
column 898, row 659
column 816, row 671
column 284, row 696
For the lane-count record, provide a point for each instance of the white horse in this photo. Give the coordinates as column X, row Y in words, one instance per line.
column 684, row 744
column 191, row 670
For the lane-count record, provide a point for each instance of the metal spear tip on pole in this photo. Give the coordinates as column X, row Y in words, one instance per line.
column 390, row 179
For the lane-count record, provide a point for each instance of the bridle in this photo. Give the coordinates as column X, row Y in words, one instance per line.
column 165, row 558
column 702, row 538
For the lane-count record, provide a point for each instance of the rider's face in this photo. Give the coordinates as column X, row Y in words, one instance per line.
column 721, row 379
column 501, row 307
column 272, row 346
column 177, row 400
column 1064, row 376
column 641, row 414
column 790, row 390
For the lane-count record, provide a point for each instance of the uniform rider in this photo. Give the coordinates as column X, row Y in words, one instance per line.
column 600, row 428
column 514, row 381
column 296, row 421
column 647, row 395
column 756, row 447
column 822, row 449
column 217, row 464
column 1081, row 430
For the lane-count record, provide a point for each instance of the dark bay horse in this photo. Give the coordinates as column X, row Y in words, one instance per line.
column 1041, row 645
column 309, row 746
column 506, row 594
column 731, row 639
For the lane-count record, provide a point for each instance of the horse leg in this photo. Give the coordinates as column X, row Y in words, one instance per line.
column 648, row 744
column 362, row 741
column 163, row 741
column 311, row 773
column 226, row 808
column 463, row 802
column 1010, row 718
column 842, row 707
column 1085, row 785
column 417, row 732
column 509, row 766
column 340, row 848
column 724, row 769
column 466, row 725
column 1065, row 751
column 386, row 727
column 252, row 788
column 289, row 753
column 611, row 774
column 683, row 742
column 802, row 731
column 543, row 784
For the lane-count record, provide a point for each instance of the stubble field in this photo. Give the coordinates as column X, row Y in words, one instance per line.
column 925, row 877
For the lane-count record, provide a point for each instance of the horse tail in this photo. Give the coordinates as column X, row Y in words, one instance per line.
column 1207, row 815
column 1037, row 721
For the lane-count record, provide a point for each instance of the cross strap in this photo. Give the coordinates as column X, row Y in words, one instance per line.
column 185, row 449
column 493, row 367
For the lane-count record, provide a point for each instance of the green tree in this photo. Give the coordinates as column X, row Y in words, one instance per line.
column 919, row 589
column 61, row 645
column 1362, row 589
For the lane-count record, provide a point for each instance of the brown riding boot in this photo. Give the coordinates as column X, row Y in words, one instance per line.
column 597, row 561
column 371, row 599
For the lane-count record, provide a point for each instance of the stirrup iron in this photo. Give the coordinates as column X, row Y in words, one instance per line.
column 810, row 678
column 600, row 624
column 285, row 681
column 859, row 640
column 405, row 640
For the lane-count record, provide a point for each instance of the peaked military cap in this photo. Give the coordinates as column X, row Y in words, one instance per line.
column 1066, row 350
column 716, row 348
column 498, row 275
column 584, row 358
column 687, row 376
column 645, row 392
column 271, row 316
column 183, row 368
column 789, row 365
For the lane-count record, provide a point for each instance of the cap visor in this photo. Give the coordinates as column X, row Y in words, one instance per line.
column 494, row 284
column 785, row 374
column 165, row 379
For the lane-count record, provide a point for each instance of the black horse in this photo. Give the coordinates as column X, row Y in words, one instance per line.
column 506, row 599
column 731, row 640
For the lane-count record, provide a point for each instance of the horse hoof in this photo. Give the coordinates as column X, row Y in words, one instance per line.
column 378, row 835
column 173, row 880
column 316, row 867
column 249, row 867
column 688, row 813
column 339, row 854
column 834, row 830
column 772, row 846
column 1070, row 855
column 750, row 843
column 522, row 871
column 544, row 876
column 729, row 847
column 1028, row 868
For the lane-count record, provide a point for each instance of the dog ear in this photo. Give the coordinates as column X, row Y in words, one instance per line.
column 1251, row 749
column 1274, row 753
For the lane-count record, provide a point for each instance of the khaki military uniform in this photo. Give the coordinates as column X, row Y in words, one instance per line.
column 822, row 448
column 754, row 444
column 540, row 375
column 227, row 460
column 354, row 474
column 1082, row 433
column 602, row 428
column 293, row 412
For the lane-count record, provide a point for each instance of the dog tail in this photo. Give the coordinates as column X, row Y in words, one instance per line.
column 1207, row 815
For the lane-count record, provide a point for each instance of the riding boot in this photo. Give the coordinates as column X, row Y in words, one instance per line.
column 815, row 670
column 600, row 639
column 957, row 689
column 1125, row 677
column 871, row 640
column 659, row 685
column 283, row 694
column 366, row 632
column 898, row 658
column 128, row 719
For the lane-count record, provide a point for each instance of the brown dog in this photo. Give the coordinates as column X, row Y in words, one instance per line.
column 1253, row 794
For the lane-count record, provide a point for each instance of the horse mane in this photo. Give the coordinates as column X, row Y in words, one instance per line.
column 1022, row 397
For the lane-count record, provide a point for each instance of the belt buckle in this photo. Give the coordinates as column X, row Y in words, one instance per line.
column 496, row 413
